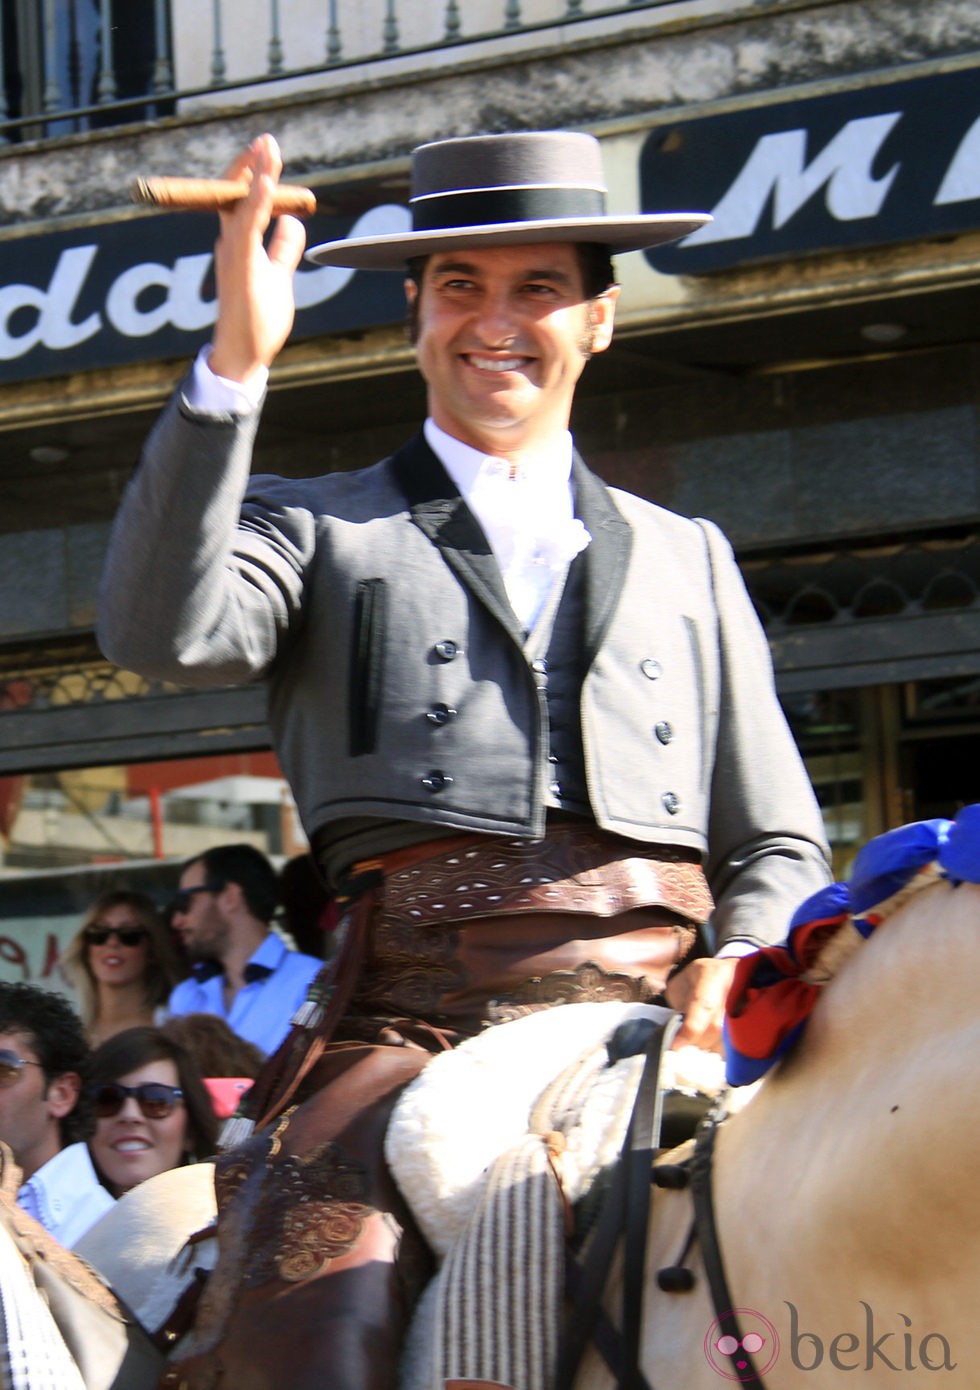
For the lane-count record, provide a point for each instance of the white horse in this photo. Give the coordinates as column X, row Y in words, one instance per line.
column 846, row 1216
column 846, row 1221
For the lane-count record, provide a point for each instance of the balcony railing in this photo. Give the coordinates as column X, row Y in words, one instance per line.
column 74, row 65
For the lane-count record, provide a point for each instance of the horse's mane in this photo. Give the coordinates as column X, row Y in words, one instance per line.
column 775, row 989
column 841, row 945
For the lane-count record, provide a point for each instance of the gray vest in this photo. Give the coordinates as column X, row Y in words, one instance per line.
column 554, row 648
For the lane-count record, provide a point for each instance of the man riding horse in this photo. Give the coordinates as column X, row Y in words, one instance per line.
column 529, row 721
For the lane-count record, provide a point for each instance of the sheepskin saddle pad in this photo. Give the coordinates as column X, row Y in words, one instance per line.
column 492, row 1145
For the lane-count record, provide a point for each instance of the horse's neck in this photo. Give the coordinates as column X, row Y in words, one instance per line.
column 846, row 1180
column 892, row 1039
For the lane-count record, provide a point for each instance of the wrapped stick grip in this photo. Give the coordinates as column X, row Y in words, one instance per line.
column 216, row 195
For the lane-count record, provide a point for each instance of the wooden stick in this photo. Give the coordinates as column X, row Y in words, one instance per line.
column 217, row 195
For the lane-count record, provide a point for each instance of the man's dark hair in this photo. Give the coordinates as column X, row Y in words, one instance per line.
column 595, row 263
column 54, row 1031
column 248, row 867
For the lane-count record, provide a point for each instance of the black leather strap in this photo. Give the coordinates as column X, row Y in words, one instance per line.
column 742, row 1369
column 625, row 1212
column 643, row 1145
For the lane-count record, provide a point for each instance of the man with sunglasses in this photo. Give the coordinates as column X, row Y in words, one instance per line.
column 44, row 1061
column 243, row 971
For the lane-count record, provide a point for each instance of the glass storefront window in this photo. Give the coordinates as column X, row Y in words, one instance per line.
column 161, row 810
column 941, row 701
column 68, row 837
column 827, row 728
column 940, row 743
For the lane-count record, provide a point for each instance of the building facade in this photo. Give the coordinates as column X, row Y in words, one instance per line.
column 805, row 372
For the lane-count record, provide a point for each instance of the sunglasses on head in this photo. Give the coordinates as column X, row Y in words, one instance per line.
column 126, row 936
column 183, row 897
column 155, row 1100
column 11, row 1066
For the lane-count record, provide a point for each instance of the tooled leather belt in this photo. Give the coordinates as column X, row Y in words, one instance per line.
column 575, row 869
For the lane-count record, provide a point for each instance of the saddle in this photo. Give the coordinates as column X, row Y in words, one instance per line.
column 516, row 1163
column 329, row 1217
column 319, row 1260
column 320, row 1256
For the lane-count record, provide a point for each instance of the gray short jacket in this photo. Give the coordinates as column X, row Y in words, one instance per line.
column 369, row 600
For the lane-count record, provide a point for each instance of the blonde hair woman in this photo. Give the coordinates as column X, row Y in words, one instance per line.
column 122, row 963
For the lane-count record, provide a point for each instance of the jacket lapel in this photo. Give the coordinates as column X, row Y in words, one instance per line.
column 606, row 558
column 440, row 512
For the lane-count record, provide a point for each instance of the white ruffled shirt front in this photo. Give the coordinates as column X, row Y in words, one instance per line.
column 526, row 514
column 65, row 1194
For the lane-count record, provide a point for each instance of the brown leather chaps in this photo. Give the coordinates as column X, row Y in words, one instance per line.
column 319, row 1261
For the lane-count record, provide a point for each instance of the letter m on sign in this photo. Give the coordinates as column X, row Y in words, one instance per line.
column 776, row 173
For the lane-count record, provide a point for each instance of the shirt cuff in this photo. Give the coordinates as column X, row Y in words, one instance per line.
column 216, row 395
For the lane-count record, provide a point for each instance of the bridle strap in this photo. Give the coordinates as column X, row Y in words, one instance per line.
column 743, row 1370
column 643, row 1143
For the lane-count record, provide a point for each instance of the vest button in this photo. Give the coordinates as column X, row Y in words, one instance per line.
column 436, row 781
column 671, row 803
column 651, row 668
column 447, row 650
column 664, row 731
column 540, row 666
column 440, row 713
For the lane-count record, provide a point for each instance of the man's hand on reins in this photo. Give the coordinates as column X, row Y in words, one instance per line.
column 699, row 992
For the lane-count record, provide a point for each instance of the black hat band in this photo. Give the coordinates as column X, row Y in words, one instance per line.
column 488, row 206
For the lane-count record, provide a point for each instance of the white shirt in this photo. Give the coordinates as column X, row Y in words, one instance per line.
column 65, row 1195
column 526, row 513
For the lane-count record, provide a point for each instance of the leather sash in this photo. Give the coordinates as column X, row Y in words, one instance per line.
column 475, row 929
column 573, row 868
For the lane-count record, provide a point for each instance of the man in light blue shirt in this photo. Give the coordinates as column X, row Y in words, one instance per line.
column 243, row 971
column 43, row 1069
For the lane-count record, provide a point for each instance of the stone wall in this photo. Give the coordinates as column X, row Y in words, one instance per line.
column 598, row 78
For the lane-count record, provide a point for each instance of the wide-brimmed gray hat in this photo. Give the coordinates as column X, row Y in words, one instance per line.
column 507, row 190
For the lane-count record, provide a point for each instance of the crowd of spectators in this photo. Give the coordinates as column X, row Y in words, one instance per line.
column 176, row 1007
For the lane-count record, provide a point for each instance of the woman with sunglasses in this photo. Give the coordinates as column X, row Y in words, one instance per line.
column 123, row 964
column 152, row 1111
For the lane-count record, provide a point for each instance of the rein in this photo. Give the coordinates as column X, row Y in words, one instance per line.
column 742, row 1369
column 625, row 1214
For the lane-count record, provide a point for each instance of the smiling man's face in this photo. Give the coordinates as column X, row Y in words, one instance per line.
column 502, row 335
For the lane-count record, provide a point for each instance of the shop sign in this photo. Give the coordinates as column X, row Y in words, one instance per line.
column 856, row 167
column 143, row 289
